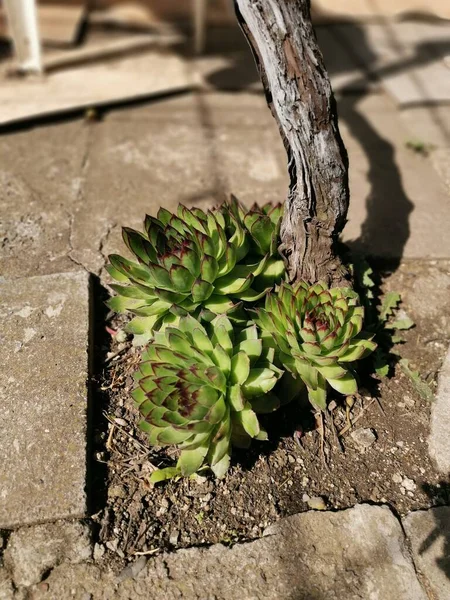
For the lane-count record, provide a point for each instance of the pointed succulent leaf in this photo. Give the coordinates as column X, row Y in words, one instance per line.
column 251, row 348
column 164, row 474
column 139, row 245
column 221, row 467
column 318, row 397
column 181, row 278
column 344, row 385
column 209, row 268
column 249, row 421
column 221, row 359
column 236, row 397
column 240, row 368
column 201, row 290
column 190, row 461
column 358, row 349
column 260, row 381
column 231, row 285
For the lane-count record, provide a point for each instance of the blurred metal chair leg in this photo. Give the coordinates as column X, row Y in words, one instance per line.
column 23, row 26
column 199, row 25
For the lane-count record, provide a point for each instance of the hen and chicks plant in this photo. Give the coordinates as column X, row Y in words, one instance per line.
column 208, row 295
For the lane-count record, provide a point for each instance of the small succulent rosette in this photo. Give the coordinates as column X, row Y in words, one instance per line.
column 200, row 388
column 317, row 333
column 195, row 260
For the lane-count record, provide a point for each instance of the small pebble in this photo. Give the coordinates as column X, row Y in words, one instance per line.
column 120, row 422
column 409, row 484
column 316, row 503
column 409, row 401
column 397, row 478
column 174, row 535
column 120, row 336
column 99, row 551
column 112, row 545
column 364, row 437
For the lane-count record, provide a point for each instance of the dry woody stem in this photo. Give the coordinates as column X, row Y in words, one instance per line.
column 299, row 94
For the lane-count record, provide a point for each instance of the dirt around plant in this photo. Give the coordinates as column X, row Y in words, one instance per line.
column 381, row 458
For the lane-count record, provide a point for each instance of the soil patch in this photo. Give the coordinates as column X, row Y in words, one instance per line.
column 382, row 458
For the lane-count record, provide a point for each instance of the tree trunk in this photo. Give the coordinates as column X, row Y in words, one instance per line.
column 298, row 92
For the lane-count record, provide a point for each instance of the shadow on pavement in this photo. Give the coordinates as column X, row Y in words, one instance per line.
column 386, row 229
column 439, row 493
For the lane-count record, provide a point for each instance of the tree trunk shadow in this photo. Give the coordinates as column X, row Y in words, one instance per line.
column 385, row 229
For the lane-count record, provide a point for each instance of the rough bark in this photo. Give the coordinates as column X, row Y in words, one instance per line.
column 298, row 92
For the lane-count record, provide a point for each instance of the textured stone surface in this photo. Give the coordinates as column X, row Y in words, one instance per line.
column 408, row 58
column 43, row 397
column 68, row 188
column 32, row 551
column 6, row 586
column 353, row 554
column 398, row 206
column 429, row 535
column 41, row 174
column 134, row 168
column 439, row 440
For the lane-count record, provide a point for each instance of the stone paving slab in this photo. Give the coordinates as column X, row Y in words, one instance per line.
column 429, row 124
column 134, row 168
column 429, row 535
column 239, row 150
column 398, row 204
column 43, row 397
column 407, row 57
column 352, row 554
column 66, row 202
column 367, row 9
column 41, row 171
column 32, row 551
column 439, row 440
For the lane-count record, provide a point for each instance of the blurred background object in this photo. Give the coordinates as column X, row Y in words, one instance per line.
column 103, row 52
column 23, row 25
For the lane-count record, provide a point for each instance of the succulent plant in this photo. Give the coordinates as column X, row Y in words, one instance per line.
column 317, row 333
column 199, row 388
column 196, row 260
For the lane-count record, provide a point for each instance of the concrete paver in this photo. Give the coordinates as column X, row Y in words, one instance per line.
column 366, row 9
column 40, row 179
column 134, row 168
column 43, row 398
column 429, row 534
column 407, row 57
column 398, row 206
column 439, row 440
column 6, row 585
column 33, row 551
column 428, row 124
column 352, row 554
column 66, row 201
